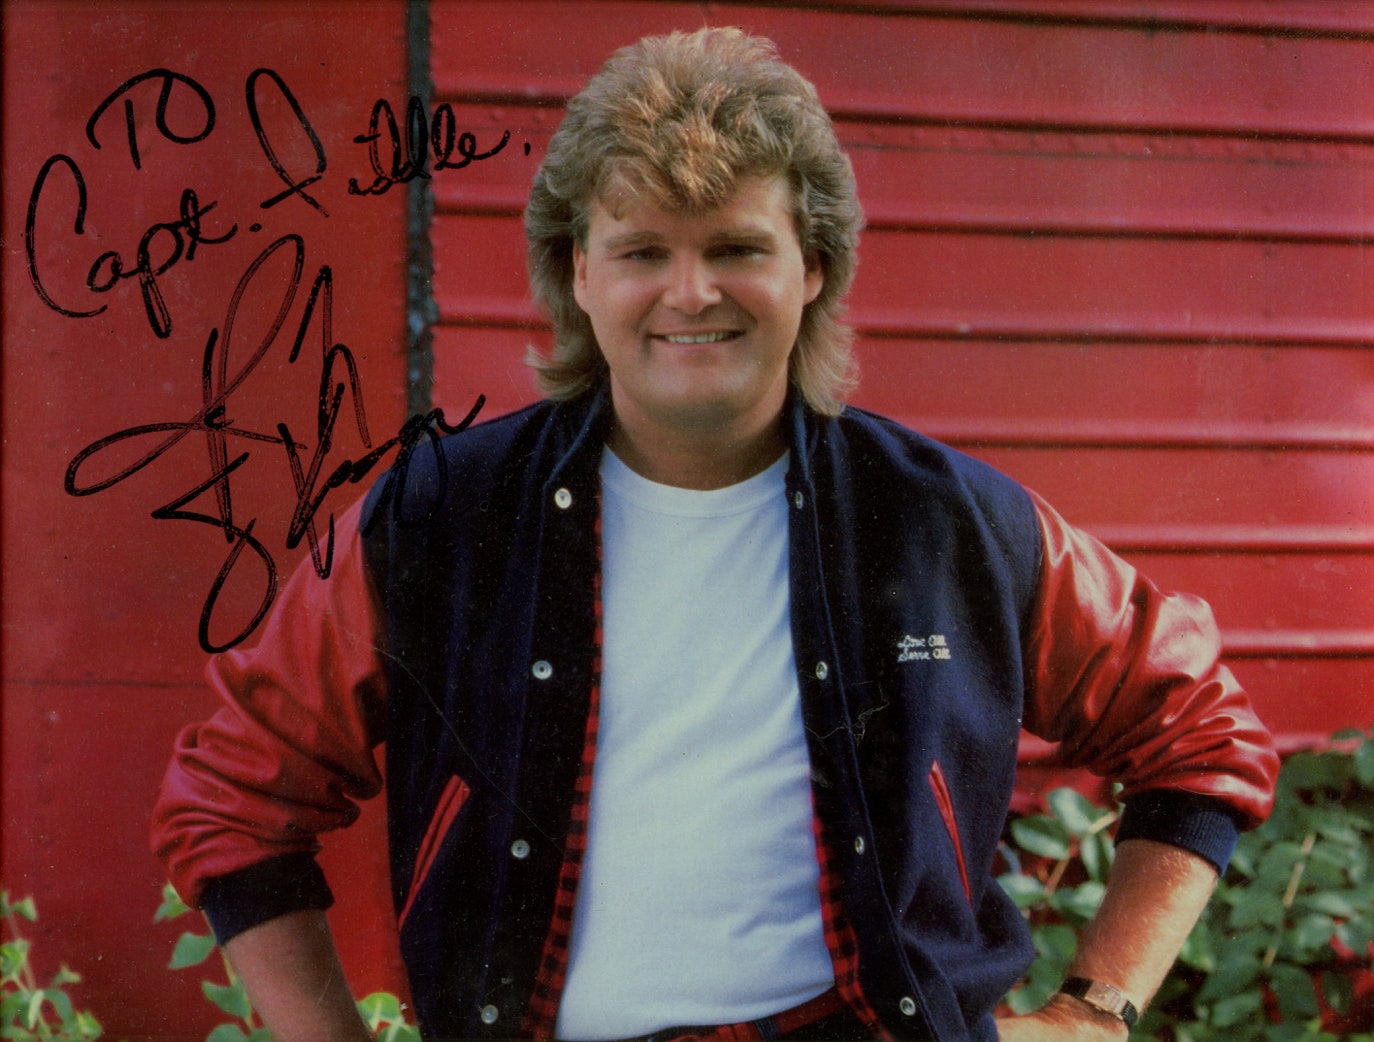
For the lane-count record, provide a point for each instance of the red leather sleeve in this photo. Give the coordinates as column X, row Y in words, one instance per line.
column 291, row 750
column 1129, row 681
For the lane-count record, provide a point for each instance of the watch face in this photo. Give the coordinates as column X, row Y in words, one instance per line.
column 1103, row 997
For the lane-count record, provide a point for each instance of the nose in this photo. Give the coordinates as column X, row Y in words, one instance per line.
column 691, row 287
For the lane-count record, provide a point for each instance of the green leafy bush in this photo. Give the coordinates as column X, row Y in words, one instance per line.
column 1274, row 957
column 1059, row 887
column 381, row 1011
column 28, row 1011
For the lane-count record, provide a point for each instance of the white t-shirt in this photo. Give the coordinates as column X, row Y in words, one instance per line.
column 698, row 901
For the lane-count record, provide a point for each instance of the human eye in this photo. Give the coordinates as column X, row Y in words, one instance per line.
column 641, row 254
column 742, row 250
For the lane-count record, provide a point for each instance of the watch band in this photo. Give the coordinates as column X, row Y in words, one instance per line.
column 1102, row 997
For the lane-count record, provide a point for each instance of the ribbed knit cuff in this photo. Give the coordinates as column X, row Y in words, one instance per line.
column 243, row 899
column 1204, row 825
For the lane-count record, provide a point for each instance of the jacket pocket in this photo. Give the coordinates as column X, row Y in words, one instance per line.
column 945, row 803
column 451, row 800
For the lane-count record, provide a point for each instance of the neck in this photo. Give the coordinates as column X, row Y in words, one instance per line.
column 698, row 461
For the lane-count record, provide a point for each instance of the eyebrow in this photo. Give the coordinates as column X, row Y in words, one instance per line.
column 743, row 234
column 617, row 242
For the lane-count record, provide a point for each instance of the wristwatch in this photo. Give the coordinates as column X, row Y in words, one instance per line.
column 1102, row 997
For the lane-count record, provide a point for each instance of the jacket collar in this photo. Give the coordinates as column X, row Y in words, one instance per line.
column 581, row 427
column 584, row 423
column 802, row 428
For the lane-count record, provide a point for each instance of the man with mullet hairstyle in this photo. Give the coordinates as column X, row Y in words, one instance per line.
column 700, row 691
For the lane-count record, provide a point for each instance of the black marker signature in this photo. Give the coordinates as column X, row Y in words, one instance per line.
column 312, row 484
column 293, row 186
column 395, row 158
column 169, row 81
column 408, row 154
column 160, row 247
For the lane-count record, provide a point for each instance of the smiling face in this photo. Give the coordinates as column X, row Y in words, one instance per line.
column 696, row 314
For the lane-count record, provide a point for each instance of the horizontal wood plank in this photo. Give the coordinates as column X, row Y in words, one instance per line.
column 931, row 67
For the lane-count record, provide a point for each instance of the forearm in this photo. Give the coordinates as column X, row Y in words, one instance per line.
column 1154, row 896
column 291, row 971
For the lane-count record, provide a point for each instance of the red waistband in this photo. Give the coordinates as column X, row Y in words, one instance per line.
column 782, row 1024
column 810, row 1011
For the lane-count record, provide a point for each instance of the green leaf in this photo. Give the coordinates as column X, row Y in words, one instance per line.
column 1024, row 1000
column 1025, row 891
column 1315, row 771
column 1312, row 933
column 1198, row 950
column 61, row 1004
column 87, row 1027
column 1276, row 865
column 14, row 955
column 35, row 1010
column 1357, row 934
column 1243, row 860
column 1080, row 902
column 1041, row 835
column 64, row 976
column 1237, row 970
column 1096, row 853
column 232, row 999
column 227, row 1033
column 1074, row 811
column 1364, row 764
column 1234, row 1009
column 26, row 909
column 1295, row 992
column 1336, row 827
column 1329, row 867
column 1262, row 909
column 191, row 949
column 379, row 1006
column 1041, row 982
column 172, row 905
column 1339, row 991
column 1292, row 1033
column 11, row 1002
column 1327, row 903
column 1056, row 944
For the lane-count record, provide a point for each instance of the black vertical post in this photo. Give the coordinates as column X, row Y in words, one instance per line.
column 421, row 310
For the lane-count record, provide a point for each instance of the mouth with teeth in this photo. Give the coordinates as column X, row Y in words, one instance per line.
column 700, row 338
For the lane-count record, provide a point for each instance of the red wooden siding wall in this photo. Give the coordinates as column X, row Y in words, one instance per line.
column 100, row 656
column 1119, row 250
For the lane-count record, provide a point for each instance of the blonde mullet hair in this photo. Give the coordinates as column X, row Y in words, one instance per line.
column 682, row 119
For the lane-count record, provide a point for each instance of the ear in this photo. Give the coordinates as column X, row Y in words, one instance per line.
column 814, row 279
column 579, row 282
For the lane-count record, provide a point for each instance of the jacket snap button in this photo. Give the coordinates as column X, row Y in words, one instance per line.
column 907, row 1006
column 822, row 671
column 859, row 845
column 541, row 670
column 520, row 850
column 797, row 500
column 563, row 498
column 490, row 1014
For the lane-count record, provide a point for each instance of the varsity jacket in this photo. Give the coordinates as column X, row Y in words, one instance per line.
column 937, row 608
